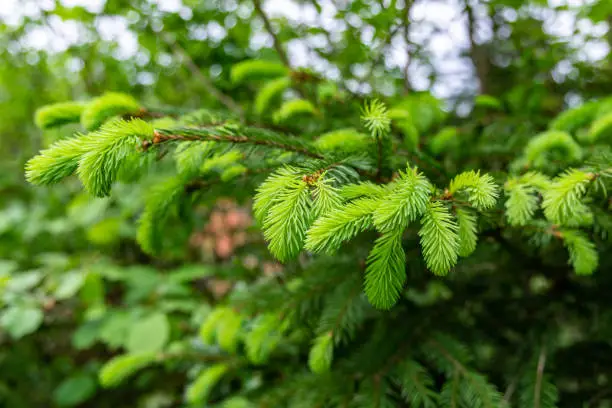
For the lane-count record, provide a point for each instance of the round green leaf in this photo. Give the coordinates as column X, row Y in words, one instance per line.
column 74, row 390
column 19, row 321
column 149, row 335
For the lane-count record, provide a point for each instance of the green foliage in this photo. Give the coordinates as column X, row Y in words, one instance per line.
column 294, row 108
column 58, row 114
column 386, row 270
column 406, row 202
column 162, row 201
column 583, row 254
column 481, row 189
column 440, row 240
column 116, row 370
column 250, row 70
column 601, row 129
column 107, row 106
column 359, row 312
column 347, row 140
column 149, row 334
column 331, row 230
column 536, row 390
column 284, row 206
column 203, row 385
column 550, row 146
column 106, row 150
column 268, row 93
column 445, row 140
column 417, row 385
column 562, row 200
column 321, row 354
column 57, row 162
column 573, row 119
column 522, row 201
column 375, row 118
column 467, row 229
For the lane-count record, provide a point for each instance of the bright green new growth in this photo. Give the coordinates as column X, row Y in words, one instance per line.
column 406, row 202
column 446, row 139
column 228, row 331
column 562, row 200
column 115, row 371
column 365, row 189
column 583, row 253
column 345, row 140
column 330, row 231
column 375, row 118
column 58, row 114
column 481, row 190
column 386, row 270
column 264, row 336
column 468, row 227
column 269, row 93
column 107, row 106
column 294, row 108
column 284, row 205
column 601, row 129
column 161, row 202
column 439, row 238
column 57, row 162
column 321, row 354
column 325, row 196
column 106, row 150
column 208, row 329
column 250, row 70
column 200, row 389
column 488, row 101
column 573, row 119
column 522, row 201
column 552, row 144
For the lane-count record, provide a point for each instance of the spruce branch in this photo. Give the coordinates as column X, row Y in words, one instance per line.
column 406, row 203
column 331, row 230
column 386, row 270
column 536, row 391
column 58, row 114
column 439, row 238
column 481, row 189
column 237, row 135
column 563, row 199
column 375, row 118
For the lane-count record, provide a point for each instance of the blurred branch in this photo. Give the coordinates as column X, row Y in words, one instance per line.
column 609, row 37
column 226, row 100
column 277, row 44
column 477, row 54
column 406, row 26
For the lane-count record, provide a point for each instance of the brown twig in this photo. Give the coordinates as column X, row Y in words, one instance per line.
column 162, row 137
column 539, row 375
